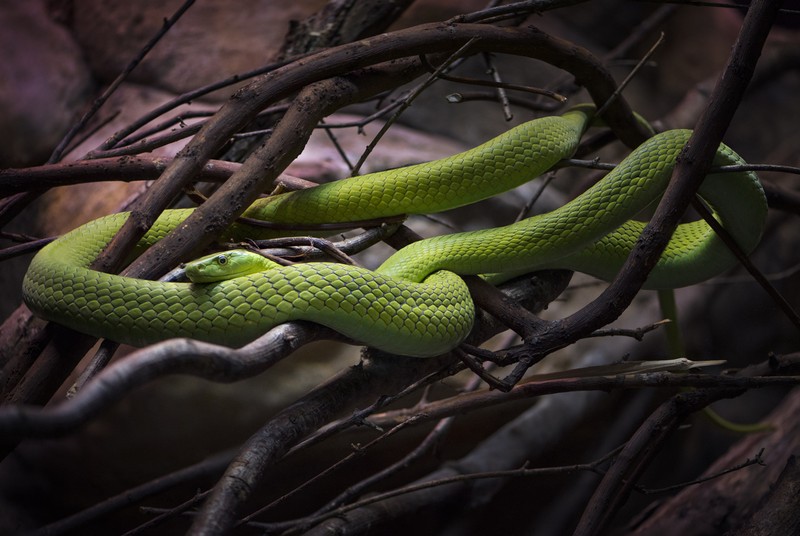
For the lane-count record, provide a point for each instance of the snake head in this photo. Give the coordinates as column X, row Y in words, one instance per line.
column 226, row 265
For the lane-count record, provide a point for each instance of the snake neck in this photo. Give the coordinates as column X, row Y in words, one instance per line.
column 507, row 161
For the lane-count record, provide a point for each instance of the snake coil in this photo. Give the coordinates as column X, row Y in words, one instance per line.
column 415, row 303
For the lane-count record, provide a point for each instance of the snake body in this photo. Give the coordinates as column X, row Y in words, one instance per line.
column 415, row 303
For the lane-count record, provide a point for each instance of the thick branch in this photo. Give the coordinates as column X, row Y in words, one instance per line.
column 105, row 169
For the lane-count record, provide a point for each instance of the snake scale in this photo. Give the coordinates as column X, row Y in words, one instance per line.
column 415, row 303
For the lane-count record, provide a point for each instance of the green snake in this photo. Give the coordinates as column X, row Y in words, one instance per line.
column 415, row 303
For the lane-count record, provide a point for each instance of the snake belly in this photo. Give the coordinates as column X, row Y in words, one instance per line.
column 415, row 303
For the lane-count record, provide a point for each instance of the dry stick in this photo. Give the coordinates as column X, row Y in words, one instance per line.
column 136, row 168
column 22, row 249
column 641, row 31
column 166, row 125
column 168, row 23
column 755, row 460
column 756, row 274
column 636, row 35
column 691, row 168
column 411, row 97
column 164, row 514
column 528, row 104
column 10, row 207
column 524, row 471
column 336, row 145
column 128, row 146
column 444, row 481
column 426, row 445
column 99, row 360
column 622, row 85
column 502, row 95
column 497, row 83
column 312, row 248
column 638, row 452
column 150, row 145
column 186, row 98
column 210, row 466
column 515, row 9
column 357, row 452
column 470, row 402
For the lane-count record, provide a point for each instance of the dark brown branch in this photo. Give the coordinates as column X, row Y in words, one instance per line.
column 248, row 101
column 106, row 169
column 514, row 10
column 691, row 168
column 178, row 356
column 637, row 454
column 466, row 403
column 728, row 503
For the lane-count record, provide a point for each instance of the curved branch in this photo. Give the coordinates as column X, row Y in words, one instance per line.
column 176, row 356
column 123, row 168
column 427, row 39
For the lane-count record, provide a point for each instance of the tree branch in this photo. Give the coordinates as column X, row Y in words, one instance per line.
column 690, row 170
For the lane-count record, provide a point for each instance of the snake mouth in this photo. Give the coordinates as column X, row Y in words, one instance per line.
column 200, row 278
column 224, row 266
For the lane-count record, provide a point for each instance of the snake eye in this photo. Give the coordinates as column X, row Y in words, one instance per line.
column 222, row 259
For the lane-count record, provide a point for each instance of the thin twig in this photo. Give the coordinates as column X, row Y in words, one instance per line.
column 522, row 472
column 756, row 460
column 782, row 303
column 98, row 362
column 408, row 100
column 642, row 62
column 636, row 333
column 357, row 452
column 168, row 23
